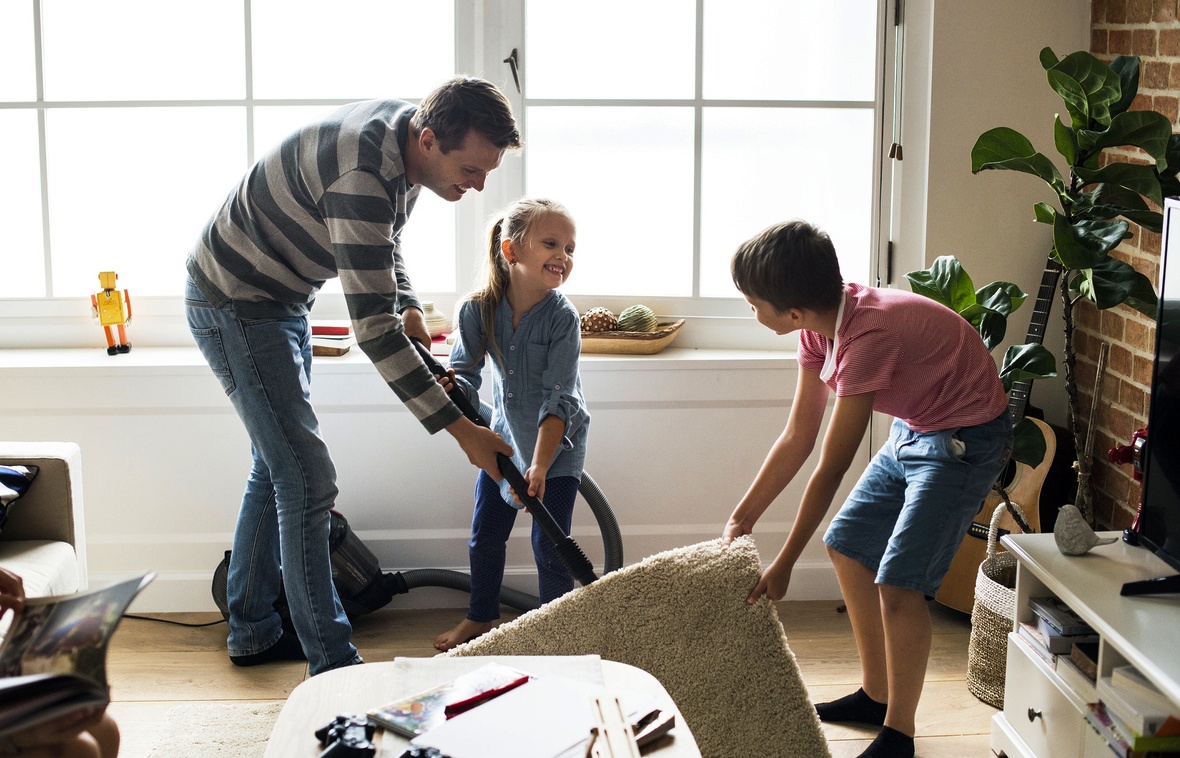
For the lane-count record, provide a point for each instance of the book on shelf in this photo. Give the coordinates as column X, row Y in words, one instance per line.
column 1074, row 678
column 1123, row 743
column 422, row 711
column 1061, row 644
column 1085, row 657
column 331, row 345
column 53, row 658
column 1141, row 717
column 1032, row 637
column 1059, row 616
column 1129, row 679
column 331, row 327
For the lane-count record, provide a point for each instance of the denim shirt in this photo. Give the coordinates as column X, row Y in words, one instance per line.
column 535, row 376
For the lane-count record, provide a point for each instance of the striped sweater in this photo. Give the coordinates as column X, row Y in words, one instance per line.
column 331, row 200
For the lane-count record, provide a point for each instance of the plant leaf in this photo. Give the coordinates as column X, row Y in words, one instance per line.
column 945, row 282
column 1028, row 361
column 1048, row 58
column 1114, row 282
column 1008, row 149
column 990, row 324
column 1065, row 139
column 1088, row 86
column 1028, row 443
column 1084, row 244
column 1138, row 178
column 1148, row 130
column 1044, row 213
column 1126, row 67
column 1002, row 297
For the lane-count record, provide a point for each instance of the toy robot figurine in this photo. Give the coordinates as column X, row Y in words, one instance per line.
column 112, row 307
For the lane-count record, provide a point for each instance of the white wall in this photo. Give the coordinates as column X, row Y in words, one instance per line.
column 675, row 439
column 970, row 67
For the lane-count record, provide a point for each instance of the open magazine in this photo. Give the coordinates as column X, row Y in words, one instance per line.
column 53, row 658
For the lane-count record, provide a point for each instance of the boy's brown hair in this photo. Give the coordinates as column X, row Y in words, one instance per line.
column 790, row 265
column 465, row 103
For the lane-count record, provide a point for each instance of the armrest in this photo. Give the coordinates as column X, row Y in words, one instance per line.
column 52, row 508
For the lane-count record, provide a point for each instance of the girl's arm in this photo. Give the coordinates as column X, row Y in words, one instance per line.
column 786, row 456
column 549, row 436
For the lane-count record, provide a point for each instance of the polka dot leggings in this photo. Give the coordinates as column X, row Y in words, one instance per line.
column 490, row 528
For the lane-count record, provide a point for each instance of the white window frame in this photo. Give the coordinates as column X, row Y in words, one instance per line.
column 486, row 31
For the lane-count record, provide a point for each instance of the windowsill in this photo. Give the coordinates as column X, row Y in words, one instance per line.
column 184, row 358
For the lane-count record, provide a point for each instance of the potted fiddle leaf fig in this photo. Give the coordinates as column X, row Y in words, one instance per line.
column 987, row 309
column 1096, row 199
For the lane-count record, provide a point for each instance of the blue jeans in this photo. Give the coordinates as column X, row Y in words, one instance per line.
column 487, row 548
column 907, row 516
column 264, row 366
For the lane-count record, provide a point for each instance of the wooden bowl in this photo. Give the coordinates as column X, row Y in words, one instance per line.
column 631, row 343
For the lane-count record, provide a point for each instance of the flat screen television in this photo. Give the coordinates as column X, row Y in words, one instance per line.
column 1159, row 514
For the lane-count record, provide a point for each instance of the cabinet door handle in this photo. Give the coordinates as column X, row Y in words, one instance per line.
column 1033, row 714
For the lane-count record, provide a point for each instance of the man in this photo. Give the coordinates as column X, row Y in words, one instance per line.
column 331, row 200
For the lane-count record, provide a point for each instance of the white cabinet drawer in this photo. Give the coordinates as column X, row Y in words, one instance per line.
column 1041, row 714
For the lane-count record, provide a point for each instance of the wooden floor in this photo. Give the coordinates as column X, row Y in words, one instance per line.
column 154, row 666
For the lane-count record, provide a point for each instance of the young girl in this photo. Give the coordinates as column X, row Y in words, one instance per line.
column 533, row 335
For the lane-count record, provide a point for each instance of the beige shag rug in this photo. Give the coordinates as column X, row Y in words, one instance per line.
column 216, row 730
column 682, row 616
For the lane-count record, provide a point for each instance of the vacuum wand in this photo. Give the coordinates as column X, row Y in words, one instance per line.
column 572, row 557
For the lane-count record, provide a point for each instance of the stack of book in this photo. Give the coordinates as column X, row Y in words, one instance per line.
column 331, row 337
column 1135, row 718
column 1056, row 631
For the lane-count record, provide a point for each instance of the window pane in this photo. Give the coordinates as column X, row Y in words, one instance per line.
column 607, row 49
column 272, row 124
column 626, row 175
column 22, row 243
column 351, row 48
column 137, row 206
column 19, row 81
column 773, row 50
column 143, row 50
column 763, row 166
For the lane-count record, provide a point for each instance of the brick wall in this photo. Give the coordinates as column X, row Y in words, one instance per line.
column 1149, row 29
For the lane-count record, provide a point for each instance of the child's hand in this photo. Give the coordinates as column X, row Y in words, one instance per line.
column 448, row 381
column 773, row 584
column 733, row 530
column 535, row 476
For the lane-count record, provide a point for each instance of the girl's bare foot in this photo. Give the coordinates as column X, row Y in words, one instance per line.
column 466, row 630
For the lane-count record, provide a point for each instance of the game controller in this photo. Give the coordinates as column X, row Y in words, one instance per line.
column 347, row 736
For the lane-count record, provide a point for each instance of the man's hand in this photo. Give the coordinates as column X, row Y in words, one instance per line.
column 12, row 592
column 481, row 445
column 414, row 324
column 733, row 530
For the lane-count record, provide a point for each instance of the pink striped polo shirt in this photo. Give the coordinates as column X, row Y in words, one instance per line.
column 928, row 366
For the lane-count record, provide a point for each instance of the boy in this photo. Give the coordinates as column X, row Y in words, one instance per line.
column 893, row 539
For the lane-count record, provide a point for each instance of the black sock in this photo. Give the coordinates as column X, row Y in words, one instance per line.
column 855, row 707
column 286, row 649
column 890, row 743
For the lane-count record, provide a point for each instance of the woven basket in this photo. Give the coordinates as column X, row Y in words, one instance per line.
column 991, row 618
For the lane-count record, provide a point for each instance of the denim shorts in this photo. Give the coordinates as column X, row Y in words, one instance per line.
column 914, row 503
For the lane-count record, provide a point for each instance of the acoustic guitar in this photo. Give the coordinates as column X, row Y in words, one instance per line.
column 1021, row 482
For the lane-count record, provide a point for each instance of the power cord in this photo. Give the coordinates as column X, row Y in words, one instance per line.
column 170, row 621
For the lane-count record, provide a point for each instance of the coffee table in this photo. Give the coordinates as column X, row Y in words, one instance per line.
column 356, row 689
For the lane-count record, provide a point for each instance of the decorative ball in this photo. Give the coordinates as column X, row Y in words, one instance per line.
column 638, row 318
column 598, row 320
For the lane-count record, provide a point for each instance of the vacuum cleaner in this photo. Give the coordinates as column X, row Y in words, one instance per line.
column 364, row 588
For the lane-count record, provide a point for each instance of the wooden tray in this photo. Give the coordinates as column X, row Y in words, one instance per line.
column 631, row 343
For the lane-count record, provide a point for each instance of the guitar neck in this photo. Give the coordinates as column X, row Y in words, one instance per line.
column 1018, row 395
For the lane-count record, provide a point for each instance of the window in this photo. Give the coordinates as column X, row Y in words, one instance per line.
column 671, row 136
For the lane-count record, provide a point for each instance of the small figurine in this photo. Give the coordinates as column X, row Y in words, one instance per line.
column 112, row 307
column 1073, row 535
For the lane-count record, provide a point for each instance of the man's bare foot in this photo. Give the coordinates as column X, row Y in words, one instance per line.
column 466, row 631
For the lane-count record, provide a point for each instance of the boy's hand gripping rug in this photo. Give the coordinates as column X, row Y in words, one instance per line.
column 682, row 616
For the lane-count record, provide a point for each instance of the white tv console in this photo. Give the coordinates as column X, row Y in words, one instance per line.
column 1043, row 716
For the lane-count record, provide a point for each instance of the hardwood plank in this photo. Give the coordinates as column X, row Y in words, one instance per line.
column 198, row 676
column 834, row 660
